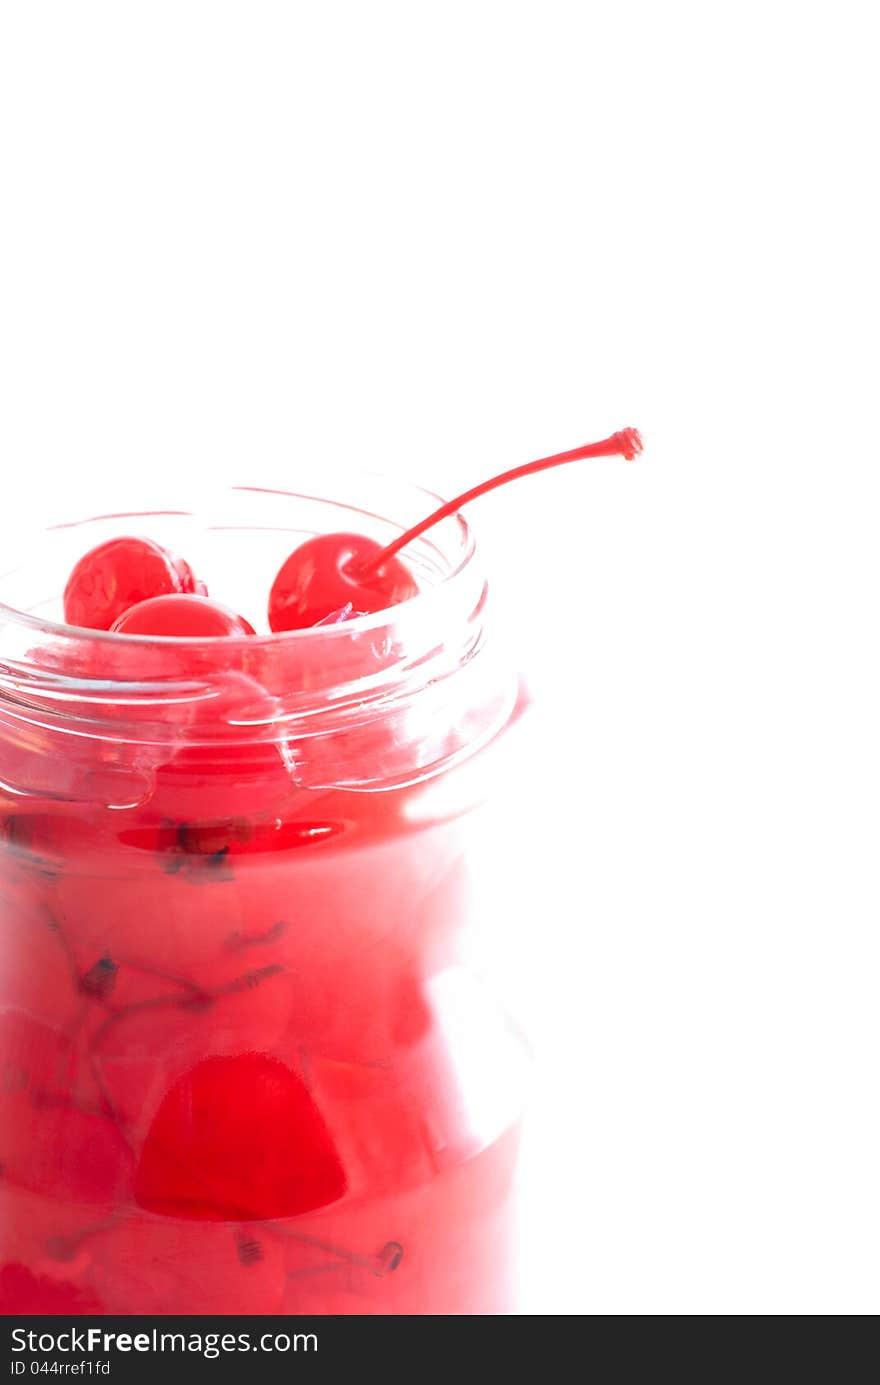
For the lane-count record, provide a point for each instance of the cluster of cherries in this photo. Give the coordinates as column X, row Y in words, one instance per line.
column 133, row 586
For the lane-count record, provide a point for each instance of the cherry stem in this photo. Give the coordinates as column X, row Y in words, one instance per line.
column 626, row 443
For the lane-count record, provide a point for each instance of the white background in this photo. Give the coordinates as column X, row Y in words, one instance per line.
column 441, row 239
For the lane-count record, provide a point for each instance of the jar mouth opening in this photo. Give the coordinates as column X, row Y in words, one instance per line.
column 372, row 702
column 147, row 689
column 450, row 542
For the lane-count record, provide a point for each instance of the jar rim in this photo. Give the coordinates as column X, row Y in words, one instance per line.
column 11, row 614
column 373, row 701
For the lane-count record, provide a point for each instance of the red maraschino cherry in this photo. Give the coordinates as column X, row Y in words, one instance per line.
column 321, row 578
column 23, row 1292
column 187, row 617
column 238, row 1138
column 330, row 572
column 117, row 575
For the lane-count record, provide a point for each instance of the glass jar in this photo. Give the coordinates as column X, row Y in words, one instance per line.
column 248, row 1062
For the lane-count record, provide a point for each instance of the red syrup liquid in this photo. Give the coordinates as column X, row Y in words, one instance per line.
column 242, row 1066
